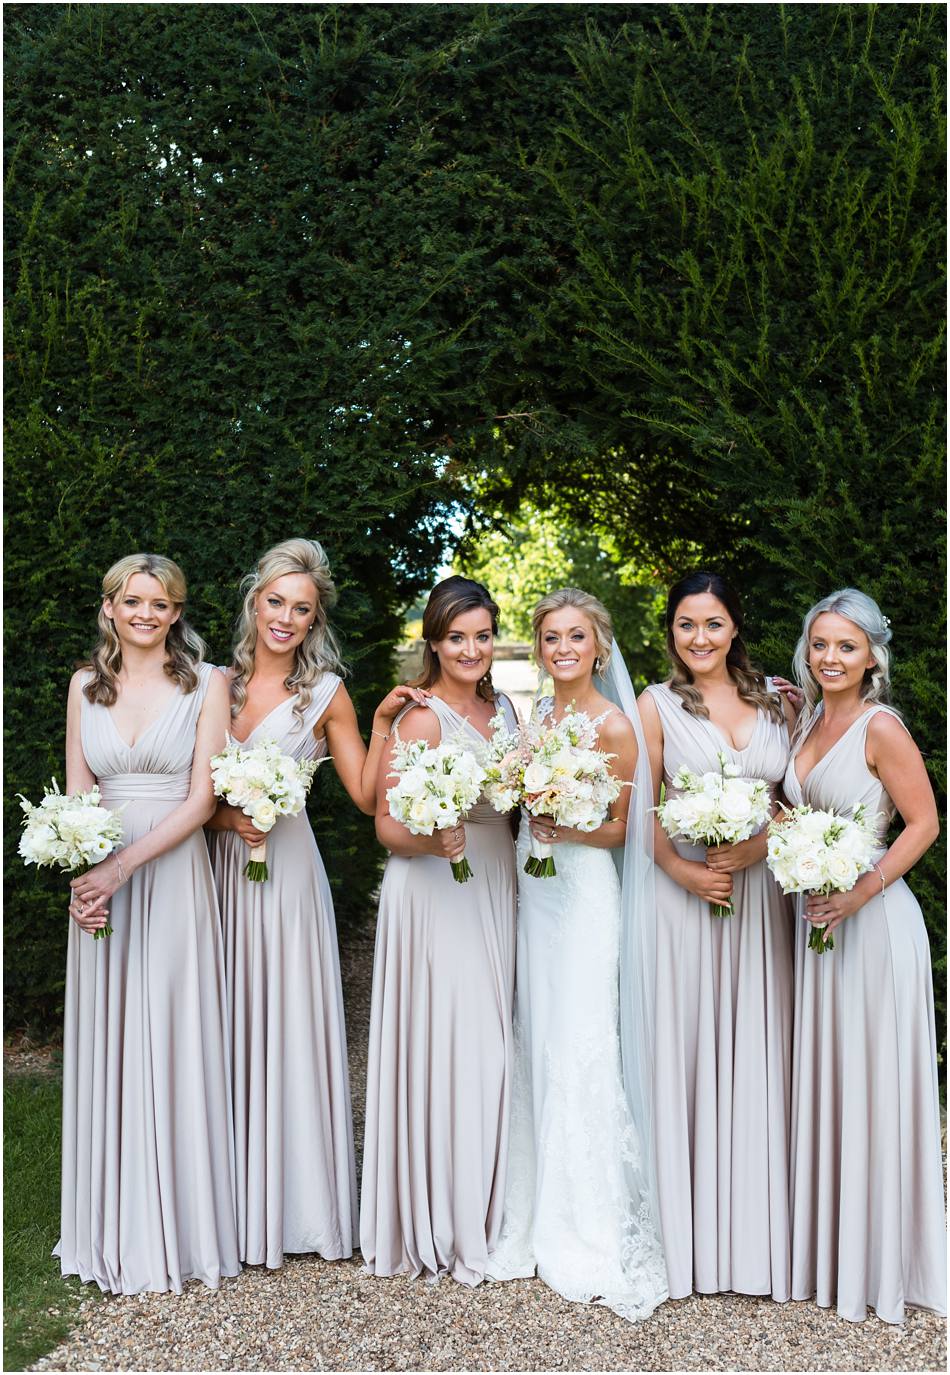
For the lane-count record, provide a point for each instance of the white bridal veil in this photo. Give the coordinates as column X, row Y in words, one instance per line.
column 637, row 935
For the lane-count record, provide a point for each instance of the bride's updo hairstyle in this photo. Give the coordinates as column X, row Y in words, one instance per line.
column 448, row 599
column 867, row 616
column 588, row 606
column 184, row 647
column 318, row 652
column 749, row 680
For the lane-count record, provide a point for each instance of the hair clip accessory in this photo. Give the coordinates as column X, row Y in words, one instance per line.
column 887, row 622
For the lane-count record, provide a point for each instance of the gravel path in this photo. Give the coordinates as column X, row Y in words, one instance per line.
column 316, row 1315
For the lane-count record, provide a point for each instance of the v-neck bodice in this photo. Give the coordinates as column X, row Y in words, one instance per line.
column 295, row 736
column 696, row 742
column 159, row 763
column 841, row 778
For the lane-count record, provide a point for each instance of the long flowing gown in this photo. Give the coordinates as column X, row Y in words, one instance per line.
column 148, row 1161
column 576, row 1208
column 866, row 1176
column 293, row 1128
column 438, row 1080
column 723, row 1046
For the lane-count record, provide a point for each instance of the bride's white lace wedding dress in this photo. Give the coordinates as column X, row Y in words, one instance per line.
column 577, row 1210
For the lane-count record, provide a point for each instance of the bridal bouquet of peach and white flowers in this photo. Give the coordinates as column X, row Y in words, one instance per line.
column 715, row 809
column 71, row 831
column 266, row 784
column 508, row 756
column 435, row 786
column 563, row 775
column 813, row 851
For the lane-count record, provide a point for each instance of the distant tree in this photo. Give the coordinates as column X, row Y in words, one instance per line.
column 524, row 557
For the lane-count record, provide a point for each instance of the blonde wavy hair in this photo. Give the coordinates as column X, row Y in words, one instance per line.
column 749, row 680
column 589, row 606
column 185, row 648
column 867, row 616
column 317, row 653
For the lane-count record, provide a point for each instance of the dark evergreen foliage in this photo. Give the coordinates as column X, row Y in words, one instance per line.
column 279, row 269
column 755, row 199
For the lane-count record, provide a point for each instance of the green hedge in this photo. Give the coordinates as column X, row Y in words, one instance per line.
column 752, row 240
column 341, row 269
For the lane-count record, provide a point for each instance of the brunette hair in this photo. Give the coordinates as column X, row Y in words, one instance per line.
column 317, row 652
column 450, row 598
column 589, row 606
column 184, row 647
column 749, row 680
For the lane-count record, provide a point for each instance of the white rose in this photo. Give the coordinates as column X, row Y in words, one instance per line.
column 264, row 814
column 809, row 871
column 536, row 776
column 735, row 806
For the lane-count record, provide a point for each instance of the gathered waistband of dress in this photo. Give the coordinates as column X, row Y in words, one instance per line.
column 483, row 814
column 135, row 787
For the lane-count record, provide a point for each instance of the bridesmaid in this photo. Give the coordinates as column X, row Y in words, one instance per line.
column 866, row 1177
column 148, row 1166
column 723, row 984
column 437, row 1093
column 296, row 1179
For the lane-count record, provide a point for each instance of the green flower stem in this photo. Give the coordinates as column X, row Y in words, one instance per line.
column 461, row 870
column 540, row 868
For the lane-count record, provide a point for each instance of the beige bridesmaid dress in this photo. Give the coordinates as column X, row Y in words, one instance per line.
column 722, row 1046
column 148, row 1163
column 867, row 1199
column 440, row 1044
column 293, row 1128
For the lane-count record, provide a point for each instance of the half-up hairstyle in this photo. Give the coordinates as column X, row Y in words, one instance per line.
column 588, row 606
column 448, row 599
column 185, row 648
column 317, row 653
column 749, row 680
column 867, row 616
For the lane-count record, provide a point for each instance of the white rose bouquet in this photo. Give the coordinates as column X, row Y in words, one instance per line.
column 265, row 784
column 435, row 786
column 821, row 852
column 566, row 777
column 72, row 831
column 716, row 809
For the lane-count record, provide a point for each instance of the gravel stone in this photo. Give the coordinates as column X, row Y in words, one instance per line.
column 327, row 1315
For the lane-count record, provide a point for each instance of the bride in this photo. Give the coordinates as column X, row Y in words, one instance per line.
column 580, row 1200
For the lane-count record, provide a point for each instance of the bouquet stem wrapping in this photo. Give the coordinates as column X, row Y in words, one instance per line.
column 540, row 862
column 461, row 869
column 256, row 867
column 817, row 940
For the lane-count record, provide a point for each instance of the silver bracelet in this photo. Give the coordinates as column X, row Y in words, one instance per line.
column 122, row 874
column 880, row 874
column 374, row 731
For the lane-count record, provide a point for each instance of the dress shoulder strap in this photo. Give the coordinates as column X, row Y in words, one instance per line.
column 666, row 701
column 321, row 695
column 877, row 707
column 204, row 680
column 409, row 706
column 507, row 706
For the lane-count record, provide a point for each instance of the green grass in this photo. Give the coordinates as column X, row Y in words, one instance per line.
column 39, row 1305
